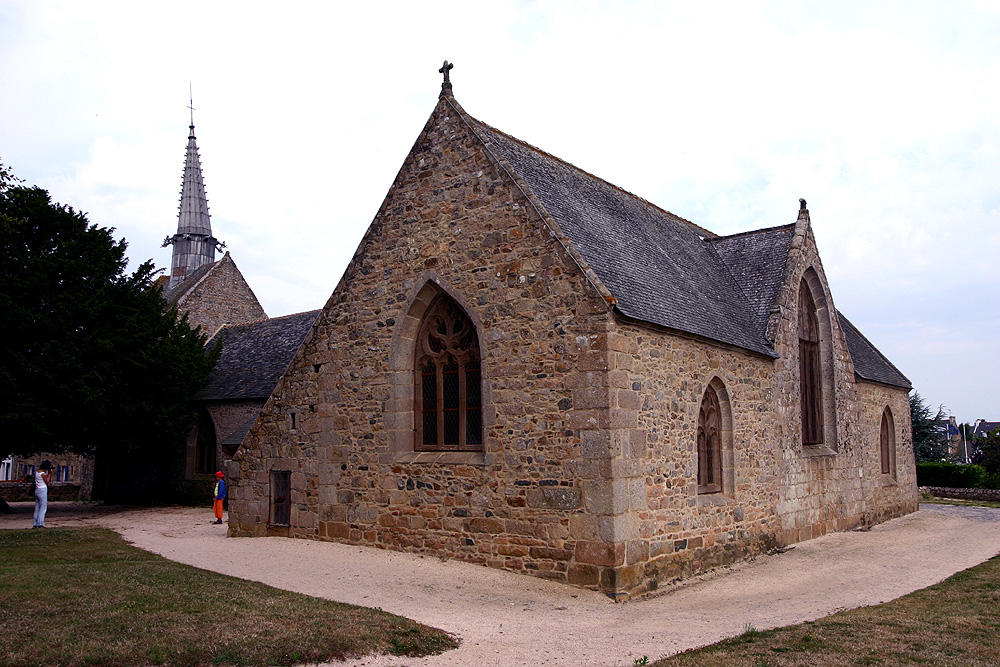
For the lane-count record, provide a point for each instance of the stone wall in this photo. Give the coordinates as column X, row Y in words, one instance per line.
column 679, row 532
column 518, row 504
column 222, row 297
column 227, row 416
column 12, row 491
column 992, row 495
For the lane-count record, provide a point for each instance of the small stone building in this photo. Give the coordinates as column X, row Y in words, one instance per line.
column 527, row 367
column 252, row 359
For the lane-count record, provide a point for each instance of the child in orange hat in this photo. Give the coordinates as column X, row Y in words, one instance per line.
column 220, row 495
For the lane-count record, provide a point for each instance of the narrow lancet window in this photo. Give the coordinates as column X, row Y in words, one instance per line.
column 887, row 443
column 810, row 369
column 710, row 443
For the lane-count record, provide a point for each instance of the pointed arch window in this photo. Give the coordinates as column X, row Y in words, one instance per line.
column 447, row 381
column 710, row 443
column 205, row 445
column 810, row 368
column 887, row 443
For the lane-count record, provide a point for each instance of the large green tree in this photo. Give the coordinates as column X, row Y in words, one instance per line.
column 94, row 363
column 930, row 431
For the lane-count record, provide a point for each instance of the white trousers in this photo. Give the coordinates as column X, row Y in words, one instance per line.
column 41, row 504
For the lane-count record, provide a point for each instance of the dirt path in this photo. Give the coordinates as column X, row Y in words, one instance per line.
column 509, row 619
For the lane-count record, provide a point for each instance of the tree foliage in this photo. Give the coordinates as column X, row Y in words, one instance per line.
column 93, row 361
column 986, row 452
column 930, row 431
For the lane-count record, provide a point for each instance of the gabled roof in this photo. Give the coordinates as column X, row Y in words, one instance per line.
column 658, row 267
column 869, row 363
column 756, row 261
column 255, row 356
column 174, row 294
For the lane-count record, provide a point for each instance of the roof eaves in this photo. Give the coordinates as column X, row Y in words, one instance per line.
column 766, row 352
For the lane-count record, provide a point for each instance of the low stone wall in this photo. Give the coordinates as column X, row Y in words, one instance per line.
column 14, row 492
column 964, row 494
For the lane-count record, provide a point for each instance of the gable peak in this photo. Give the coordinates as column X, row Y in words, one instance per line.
column 803, row 211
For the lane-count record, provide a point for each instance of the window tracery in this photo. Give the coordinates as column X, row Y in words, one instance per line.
column 448, row 387
column 710, row 443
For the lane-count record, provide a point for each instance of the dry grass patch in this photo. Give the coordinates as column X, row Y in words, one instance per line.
column 954, row 623
column 85, row 597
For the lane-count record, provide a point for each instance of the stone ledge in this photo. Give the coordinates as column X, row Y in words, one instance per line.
column 817, row 450
column 450, row 458
column 709, row 499
column 965, row 494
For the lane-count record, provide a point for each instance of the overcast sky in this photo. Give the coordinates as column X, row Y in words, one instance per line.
column 884, row 116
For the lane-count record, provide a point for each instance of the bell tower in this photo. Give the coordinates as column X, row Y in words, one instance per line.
column 194, row 245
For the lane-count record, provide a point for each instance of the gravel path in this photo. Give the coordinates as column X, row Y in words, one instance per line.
column 508, row 619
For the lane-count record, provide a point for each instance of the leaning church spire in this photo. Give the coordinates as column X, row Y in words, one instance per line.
column 194, row 245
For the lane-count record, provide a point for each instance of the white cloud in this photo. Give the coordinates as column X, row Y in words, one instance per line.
column 881, row 114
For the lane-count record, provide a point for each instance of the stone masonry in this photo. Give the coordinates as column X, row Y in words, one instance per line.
column 588, row 471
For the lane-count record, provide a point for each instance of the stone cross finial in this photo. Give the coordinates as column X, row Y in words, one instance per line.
column 446, row 85
column 803, row 211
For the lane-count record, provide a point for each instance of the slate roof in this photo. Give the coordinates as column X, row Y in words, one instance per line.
column 984, row 428
column 235, row 439
column 174, row 294
column 255, row 356
column 657, row 265
column 756, row 261
column 869, row 363
column 663, row 269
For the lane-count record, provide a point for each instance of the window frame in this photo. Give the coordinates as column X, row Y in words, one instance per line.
column 280, row 509
column 887, row 444
column 709, row 442
column 447, row 371
column 810, row 369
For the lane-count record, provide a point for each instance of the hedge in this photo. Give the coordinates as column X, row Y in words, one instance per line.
column 951, row 475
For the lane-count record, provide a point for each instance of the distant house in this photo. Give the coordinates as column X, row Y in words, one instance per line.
column 982, row 428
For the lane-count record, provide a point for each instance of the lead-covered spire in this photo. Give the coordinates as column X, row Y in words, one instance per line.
column 194, row 245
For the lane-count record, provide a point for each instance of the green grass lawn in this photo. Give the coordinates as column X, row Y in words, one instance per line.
column 953, row 624
column 85, row 597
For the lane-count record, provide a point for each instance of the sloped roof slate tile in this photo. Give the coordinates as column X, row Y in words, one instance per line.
column 658, row 266
column 255, row 356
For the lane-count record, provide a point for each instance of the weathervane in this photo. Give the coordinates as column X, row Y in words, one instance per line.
column 446, row 85
column 191, row 104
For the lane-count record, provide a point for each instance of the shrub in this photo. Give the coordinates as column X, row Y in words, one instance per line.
column 951, row 475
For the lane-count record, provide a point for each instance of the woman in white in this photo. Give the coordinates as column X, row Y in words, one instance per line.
column 41, row 493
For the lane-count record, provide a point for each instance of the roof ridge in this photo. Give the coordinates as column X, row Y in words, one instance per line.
column 752, row 232
column 272, row 319
column 696, row 227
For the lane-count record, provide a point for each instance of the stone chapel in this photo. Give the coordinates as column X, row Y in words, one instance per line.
column 527, row 367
